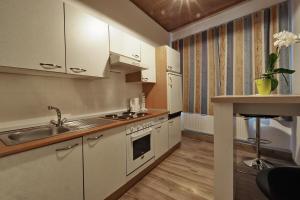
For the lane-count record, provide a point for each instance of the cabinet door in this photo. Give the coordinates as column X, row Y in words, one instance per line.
column 48, row 173
column 87, row 43
column 104, row 163
column 177, row 129
column 174, row 92
column 32, row 34
column 161, row 139
column 124, row 44
column 173, row 60
column 148, row 60
column 171, row 133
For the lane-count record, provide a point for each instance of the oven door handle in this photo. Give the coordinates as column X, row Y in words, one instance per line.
column 140, row 134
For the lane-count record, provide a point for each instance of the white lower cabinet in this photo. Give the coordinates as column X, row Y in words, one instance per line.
column 174, row 131
column 104, row 163
column 161, row 139
column 46, row 173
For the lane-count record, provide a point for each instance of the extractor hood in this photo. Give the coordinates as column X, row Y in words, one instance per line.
column 123, row 63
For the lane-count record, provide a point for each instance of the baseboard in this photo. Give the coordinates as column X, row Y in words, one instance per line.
column 242, row 145
column 123, row 189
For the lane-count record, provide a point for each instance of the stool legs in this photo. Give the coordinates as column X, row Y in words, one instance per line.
column 258, row 163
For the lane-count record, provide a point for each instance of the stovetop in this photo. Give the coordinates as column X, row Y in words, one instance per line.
column 125, row 116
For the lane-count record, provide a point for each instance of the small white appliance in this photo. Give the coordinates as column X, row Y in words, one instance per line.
column 134, row 104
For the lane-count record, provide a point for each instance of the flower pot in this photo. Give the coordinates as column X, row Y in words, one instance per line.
column 263, row 86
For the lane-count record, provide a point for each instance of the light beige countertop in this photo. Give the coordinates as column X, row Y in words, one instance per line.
column 256, row 99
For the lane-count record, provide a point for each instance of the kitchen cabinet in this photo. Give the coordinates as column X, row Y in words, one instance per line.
column 124, row 44
column 104, row 163
column 32, row 35
column 174, row 131
column 148, row 61
column 173, row 60
column 87, row 43
column 161, row 135
column 51, row 172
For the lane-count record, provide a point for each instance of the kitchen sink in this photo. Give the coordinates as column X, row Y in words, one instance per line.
column 35, row 133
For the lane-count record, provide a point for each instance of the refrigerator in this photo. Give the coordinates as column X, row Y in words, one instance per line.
column 174, row 93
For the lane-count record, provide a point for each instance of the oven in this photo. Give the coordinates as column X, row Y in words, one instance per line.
column 140, row 146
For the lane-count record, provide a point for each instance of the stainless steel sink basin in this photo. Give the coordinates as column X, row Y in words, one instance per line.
column 36, row 133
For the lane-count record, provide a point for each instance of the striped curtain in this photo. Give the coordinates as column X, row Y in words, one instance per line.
column 225, row 60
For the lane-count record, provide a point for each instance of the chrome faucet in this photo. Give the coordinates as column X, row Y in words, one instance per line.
column 59, row 121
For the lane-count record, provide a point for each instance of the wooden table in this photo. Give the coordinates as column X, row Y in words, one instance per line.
column 224, row 109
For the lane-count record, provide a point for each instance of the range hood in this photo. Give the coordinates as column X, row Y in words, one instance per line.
column 123, row 63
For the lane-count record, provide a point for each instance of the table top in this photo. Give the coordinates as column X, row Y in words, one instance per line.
column 284, row 99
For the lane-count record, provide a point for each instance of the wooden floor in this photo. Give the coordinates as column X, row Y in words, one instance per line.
column 187, row 174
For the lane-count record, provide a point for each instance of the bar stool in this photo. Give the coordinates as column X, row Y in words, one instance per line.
column 258, row 162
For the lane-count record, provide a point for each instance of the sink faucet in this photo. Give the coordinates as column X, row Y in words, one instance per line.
column 59, row 121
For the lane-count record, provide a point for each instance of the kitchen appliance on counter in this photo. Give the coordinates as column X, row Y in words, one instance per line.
column 140, row 145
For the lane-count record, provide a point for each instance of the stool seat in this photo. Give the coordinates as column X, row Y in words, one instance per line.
column 260, row 116
column 280, row 183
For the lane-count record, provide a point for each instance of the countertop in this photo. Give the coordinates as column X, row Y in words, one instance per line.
column 9, row 150
column 285, row 99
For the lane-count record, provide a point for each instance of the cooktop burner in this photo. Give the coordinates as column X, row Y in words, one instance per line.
column 125, row 116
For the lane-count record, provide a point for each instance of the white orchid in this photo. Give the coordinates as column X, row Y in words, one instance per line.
column 285, row 39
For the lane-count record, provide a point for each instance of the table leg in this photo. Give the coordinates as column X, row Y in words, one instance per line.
column 223, row 151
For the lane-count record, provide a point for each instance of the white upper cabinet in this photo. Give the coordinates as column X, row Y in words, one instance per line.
column 173, row 60
column 124, row 44
column 32, row 34
column 87, row 43
column 148, row 61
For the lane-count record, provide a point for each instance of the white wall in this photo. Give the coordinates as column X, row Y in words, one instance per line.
column 24, row 98
column 278, row 132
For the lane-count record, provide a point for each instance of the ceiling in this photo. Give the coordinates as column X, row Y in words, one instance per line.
column 173, row 14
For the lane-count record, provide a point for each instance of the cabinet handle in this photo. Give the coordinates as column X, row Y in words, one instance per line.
column 145, row 79
column 158, row 127
column 77, row 69
column 95, row 138
column 135, row 55
column 68, row 147
column 136, row 64
column 49, row 66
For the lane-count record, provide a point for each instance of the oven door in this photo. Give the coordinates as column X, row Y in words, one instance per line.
column 140, row 149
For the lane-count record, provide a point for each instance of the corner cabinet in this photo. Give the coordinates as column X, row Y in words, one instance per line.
column 174, row 131
column 87, row 43
column 124, row 44
column 104, row 163
column 32, row 35
column 173, row 60
column 48, row 173
column 148, row 60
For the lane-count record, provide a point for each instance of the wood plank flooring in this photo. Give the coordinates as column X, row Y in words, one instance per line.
column 187, row 174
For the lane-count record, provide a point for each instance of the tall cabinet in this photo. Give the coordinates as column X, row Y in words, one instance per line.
column 32, row 35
